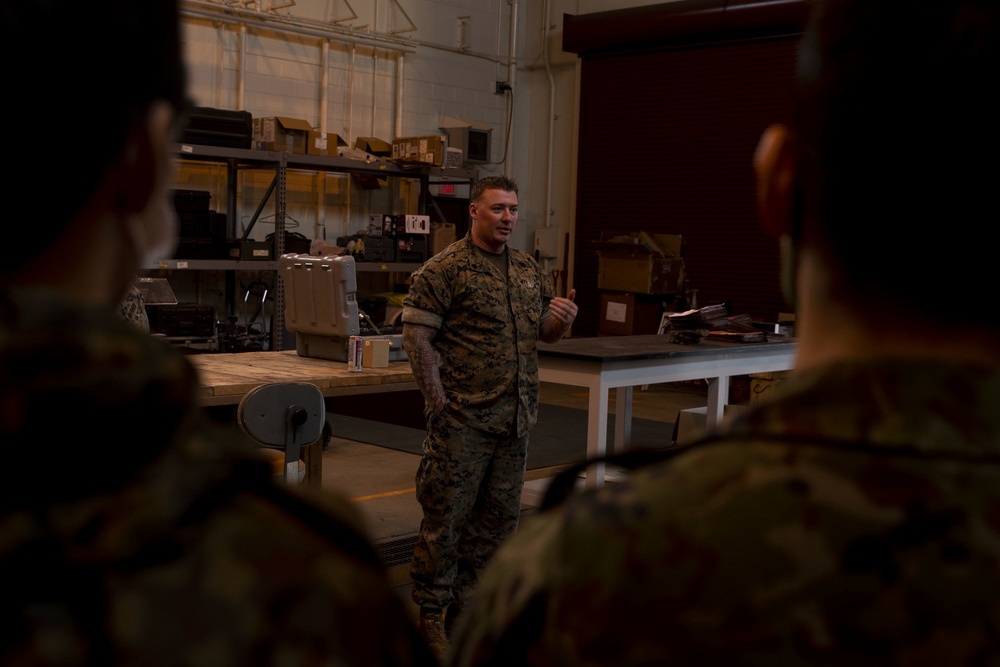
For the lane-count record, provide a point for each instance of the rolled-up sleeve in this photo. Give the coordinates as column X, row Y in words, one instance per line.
column 412, row 315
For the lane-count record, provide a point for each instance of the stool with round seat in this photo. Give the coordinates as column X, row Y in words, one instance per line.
column 284, row 416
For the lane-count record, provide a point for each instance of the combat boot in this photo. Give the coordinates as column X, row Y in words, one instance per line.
column 432, row 630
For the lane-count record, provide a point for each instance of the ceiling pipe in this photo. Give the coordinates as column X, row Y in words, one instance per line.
column 319, row 226
column 324, row 85
column 399, row 95
column 512, row 44
column 552, row 113
column 241, row 78
column 345, row 222
column 371, row 131
column 499, row 60
column 511, row 71
column 349, row 102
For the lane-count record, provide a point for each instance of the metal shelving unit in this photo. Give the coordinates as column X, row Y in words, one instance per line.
column 237, row 159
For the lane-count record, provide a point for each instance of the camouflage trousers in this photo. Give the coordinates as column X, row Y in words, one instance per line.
column 469, row 486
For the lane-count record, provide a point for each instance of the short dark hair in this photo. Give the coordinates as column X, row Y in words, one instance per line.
column 107, row 62
column 897, row 124
column 492, row 183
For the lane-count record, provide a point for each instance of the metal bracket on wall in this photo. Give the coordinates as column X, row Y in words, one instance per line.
column 341, row 19
column 410, row 26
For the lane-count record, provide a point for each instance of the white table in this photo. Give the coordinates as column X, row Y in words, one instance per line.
column 623, row 362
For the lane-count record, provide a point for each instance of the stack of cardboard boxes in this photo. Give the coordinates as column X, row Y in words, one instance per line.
column 293, row 135
column 638, row 275
column 432, row 150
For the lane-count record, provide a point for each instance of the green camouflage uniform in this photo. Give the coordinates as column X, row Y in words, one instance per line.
column 470, row 477
column 133, row 531
column 853, row 520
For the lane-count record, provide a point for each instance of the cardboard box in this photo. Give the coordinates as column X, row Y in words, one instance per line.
column 762, row 385
column 374, row 146
column 324, row 143
column 629, row 314
column 641, row 263
column 442, row 235
column 417, row 224
column 280, row 133
column 431, row 150
column 376, row 353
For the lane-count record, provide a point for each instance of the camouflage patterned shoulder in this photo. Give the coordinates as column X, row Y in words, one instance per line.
column 798, row 536
column 456, row 257
column 522, row 257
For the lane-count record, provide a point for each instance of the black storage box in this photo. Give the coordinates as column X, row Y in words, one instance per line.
column 195, row 218
column 379, row 249
column 195, row 224
column 220, row 227
column 191, row 201
column 218, row 127
column 411, row 248
column 295, row 243
column 201, row 248
column 182, row 320
column 243, row 249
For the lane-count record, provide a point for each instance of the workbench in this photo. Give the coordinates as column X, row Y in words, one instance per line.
column 226, row 378
column 596, row 364
column 623, row 362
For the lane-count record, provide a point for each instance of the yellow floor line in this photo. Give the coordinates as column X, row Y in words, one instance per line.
column 387, row 494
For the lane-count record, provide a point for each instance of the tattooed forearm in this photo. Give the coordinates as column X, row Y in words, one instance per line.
column 417, row 343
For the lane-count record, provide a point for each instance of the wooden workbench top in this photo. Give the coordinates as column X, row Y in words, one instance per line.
column 227, row 377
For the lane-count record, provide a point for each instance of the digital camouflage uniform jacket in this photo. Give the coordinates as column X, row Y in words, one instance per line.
column 133, row 532
column 487, row 332
column 853, row 521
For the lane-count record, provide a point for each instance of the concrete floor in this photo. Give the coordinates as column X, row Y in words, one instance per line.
column 381, row 481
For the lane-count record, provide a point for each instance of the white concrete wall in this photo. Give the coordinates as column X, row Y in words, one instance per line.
column 391, row 71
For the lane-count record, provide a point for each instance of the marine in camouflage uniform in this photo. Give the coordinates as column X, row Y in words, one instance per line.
column 135, row 531
column 470, row 477
column 851, row 522
column 471, row 321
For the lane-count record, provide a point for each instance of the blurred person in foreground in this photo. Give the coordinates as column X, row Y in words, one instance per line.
column 133, row 530
column 855, row 518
